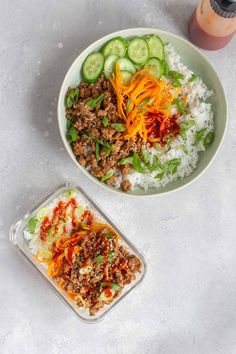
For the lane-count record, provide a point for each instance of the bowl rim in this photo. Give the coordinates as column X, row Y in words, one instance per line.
column 127, row 32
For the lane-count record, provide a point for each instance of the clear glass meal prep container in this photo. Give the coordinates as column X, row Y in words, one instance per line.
column 21, row 246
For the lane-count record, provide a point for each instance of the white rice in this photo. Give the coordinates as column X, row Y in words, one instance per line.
column 199, row 110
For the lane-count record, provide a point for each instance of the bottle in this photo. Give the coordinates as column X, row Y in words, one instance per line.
column 213, row 24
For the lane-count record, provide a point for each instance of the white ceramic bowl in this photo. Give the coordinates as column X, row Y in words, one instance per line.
column 193, row 58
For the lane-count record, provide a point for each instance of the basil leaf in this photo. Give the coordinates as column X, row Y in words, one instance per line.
column 32, row 223
column 193, row 78
column 165, row 66
column 105, row 121
column 115, row 286
column 199, row 135
column 111, row 255
column 107, row 176
column 120, row 127
column 208, row 139
column 137, row 163
column 175, row 75
column 73, row 134
column 97, row 150
column 93, row 102
column 180, row 106
column 125, row 160
column 99, row 259
column 72, row 97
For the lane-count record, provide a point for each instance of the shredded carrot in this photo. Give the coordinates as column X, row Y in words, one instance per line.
column 140, row 101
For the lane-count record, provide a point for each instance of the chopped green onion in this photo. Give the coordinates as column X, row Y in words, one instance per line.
column 184, row 149
column 32, row 224
column 72, row 97
column 137, row 164
column 99, row 259
column 107, row 176
column 120, row 127
column 180, row 106
column 115, row 286
column 177, row 83
column 173, row 165
column 208, row 139
column 111, row 255
column 184, row 127
column 160, row 175
column 199, row 135
column 165, row 66
column 175, row 75
column 193, row 78
column 125, row 160
column 93, row 102
column 97, row 149
column 105, row 121
column 107, row 235
column 73, row 134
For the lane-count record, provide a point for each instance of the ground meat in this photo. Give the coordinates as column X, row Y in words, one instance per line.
column 99, row 147
column 99, row 263
column 125, row 185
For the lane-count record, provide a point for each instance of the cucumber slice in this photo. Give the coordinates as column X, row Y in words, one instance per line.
column 126, row 64
column 138, row 51
column 156, row 67
column 110, row 65
column 156, row 46
column 116, row 46
column 125, row 76
column 92, row 67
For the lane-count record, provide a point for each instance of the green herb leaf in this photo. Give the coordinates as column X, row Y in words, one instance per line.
column 193, row 78
column 73, row 134
column 105, row 121
column 115, row 286
column 107, row 176
column 107, row 235
column 97, row 150
column 186, row 126
column 199, row 135
column 173, row 165
column 180, row 106
column 99, row 259
column 68, row 124
column 184, row 149
column 165, row 66
column 72, row 97
column 32, row 223
column 125, row 160
column 93, row 102
column 111, row 255
column 175, row 75
column 120, row 127
column 208, row 139
column 137, row 164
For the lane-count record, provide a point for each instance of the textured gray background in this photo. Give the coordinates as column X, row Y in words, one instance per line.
column 188, row 302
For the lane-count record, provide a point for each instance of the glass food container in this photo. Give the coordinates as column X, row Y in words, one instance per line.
column 21, row 245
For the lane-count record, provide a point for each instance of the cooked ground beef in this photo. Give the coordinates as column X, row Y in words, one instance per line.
column 98, row 147
column 96, row 267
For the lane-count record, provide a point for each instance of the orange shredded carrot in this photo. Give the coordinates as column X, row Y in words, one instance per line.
column 143, row 96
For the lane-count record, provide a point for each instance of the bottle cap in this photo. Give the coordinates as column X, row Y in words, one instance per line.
column 224, row 8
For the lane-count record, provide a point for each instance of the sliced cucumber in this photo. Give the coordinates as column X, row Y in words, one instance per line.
column 156, row 46
column 109, row 65
column 125, row 76
column 126, row 64
column 116, row 46
column 156, row 67
column 138, row 51
column 92, row 67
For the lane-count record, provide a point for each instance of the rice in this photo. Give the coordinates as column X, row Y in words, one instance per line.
column 186, row 150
